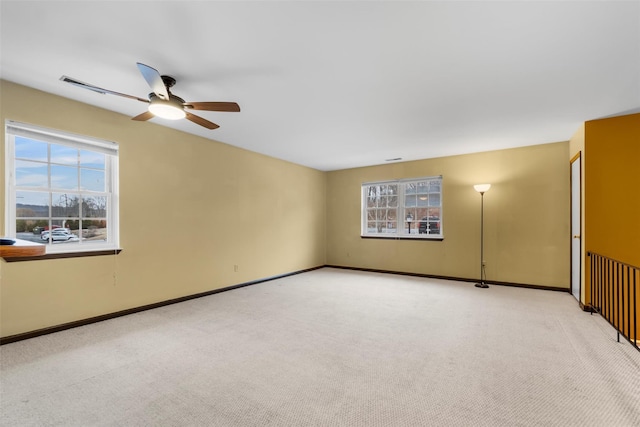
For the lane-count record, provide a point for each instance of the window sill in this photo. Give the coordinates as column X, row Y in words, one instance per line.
column 437, row 239
column 79, row 254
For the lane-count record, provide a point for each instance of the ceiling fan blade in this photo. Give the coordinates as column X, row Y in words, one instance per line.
column 144, row 116
column 153, row 78
column 213, row 106
column 99, row 89
column 202, row 122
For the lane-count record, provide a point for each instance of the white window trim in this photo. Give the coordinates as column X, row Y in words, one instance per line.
column 401, row 212
column 13, row 129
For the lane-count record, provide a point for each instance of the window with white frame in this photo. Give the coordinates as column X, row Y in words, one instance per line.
column 62, row 189
column 410, row 208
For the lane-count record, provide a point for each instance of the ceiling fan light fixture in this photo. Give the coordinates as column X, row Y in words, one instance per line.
column 169, row 109
column 162, row 103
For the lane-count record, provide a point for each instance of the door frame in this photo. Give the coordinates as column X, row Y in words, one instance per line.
column 576, row 158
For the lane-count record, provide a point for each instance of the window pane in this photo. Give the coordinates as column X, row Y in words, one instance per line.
column 91, row 159
column 392, row 201
column 410, row 200
column 94, row 230
column 65, row 205
column 94, row 207
column 434, row 227
column 29, row 149
column 64, row 155
column 421, row 213
column 32, row 204
column 31, row 174
column 30, row 229
column 391, row 214
column 373, row 193
column 381, row 214
column 92, row 180
column 434, row 199
column 73, row 225
column 25, row 226
column 64, row 177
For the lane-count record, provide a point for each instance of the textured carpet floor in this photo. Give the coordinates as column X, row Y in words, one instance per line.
column 332, row 348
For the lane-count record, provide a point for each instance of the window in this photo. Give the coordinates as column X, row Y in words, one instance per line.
column 62, row 189
column 410, row 208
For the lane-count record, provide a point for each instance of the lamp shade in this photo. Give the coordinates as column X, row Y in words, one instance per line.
column 481, row 188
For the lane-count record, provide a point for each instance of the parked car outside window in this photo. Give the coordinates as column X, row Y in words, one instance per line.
column 58, row 234
column 429, row 225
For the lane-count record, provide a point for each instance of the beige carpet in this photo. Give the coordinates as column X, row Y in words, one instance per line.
column 332, row 348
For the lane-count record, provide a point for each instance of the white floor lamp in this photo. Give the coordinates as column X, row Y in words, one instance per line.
column 482, row 188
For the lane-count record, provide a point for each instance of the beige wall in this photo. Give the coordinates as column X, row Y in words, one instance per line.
column 190, row 209
column 526, row 217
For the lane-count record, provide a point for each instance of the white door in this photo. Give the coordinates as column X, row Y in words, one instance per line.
column 576, row 238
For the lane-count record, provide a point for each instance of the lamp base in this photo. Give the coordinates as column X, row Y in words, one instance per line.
column 482, row 285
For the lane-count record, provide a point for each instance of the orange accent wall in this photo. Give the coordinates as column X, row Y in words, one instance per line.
column 612, row 202
column 612, row 188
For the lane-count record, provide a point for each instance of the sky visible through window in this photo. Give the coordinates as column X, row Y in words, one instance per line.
column 41, row 166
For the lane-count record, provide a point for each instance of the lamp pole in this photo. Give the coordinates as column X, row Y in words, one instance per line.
column 482, row 188
column 409, row 219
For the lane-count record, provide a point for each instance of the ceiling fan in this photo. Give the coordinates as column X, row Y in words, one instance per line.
column 162, row 102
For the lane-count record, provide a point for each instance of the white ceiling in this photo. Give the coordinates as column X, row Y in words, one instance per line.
column 341, row 84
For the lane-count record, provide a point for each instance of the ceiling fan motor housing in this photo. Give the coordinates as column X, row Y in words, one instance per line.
column 173, row 99
column 168, row 81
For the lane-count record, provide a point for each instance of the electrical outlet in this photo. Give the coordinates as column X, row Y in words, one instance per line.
column 235, row 268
